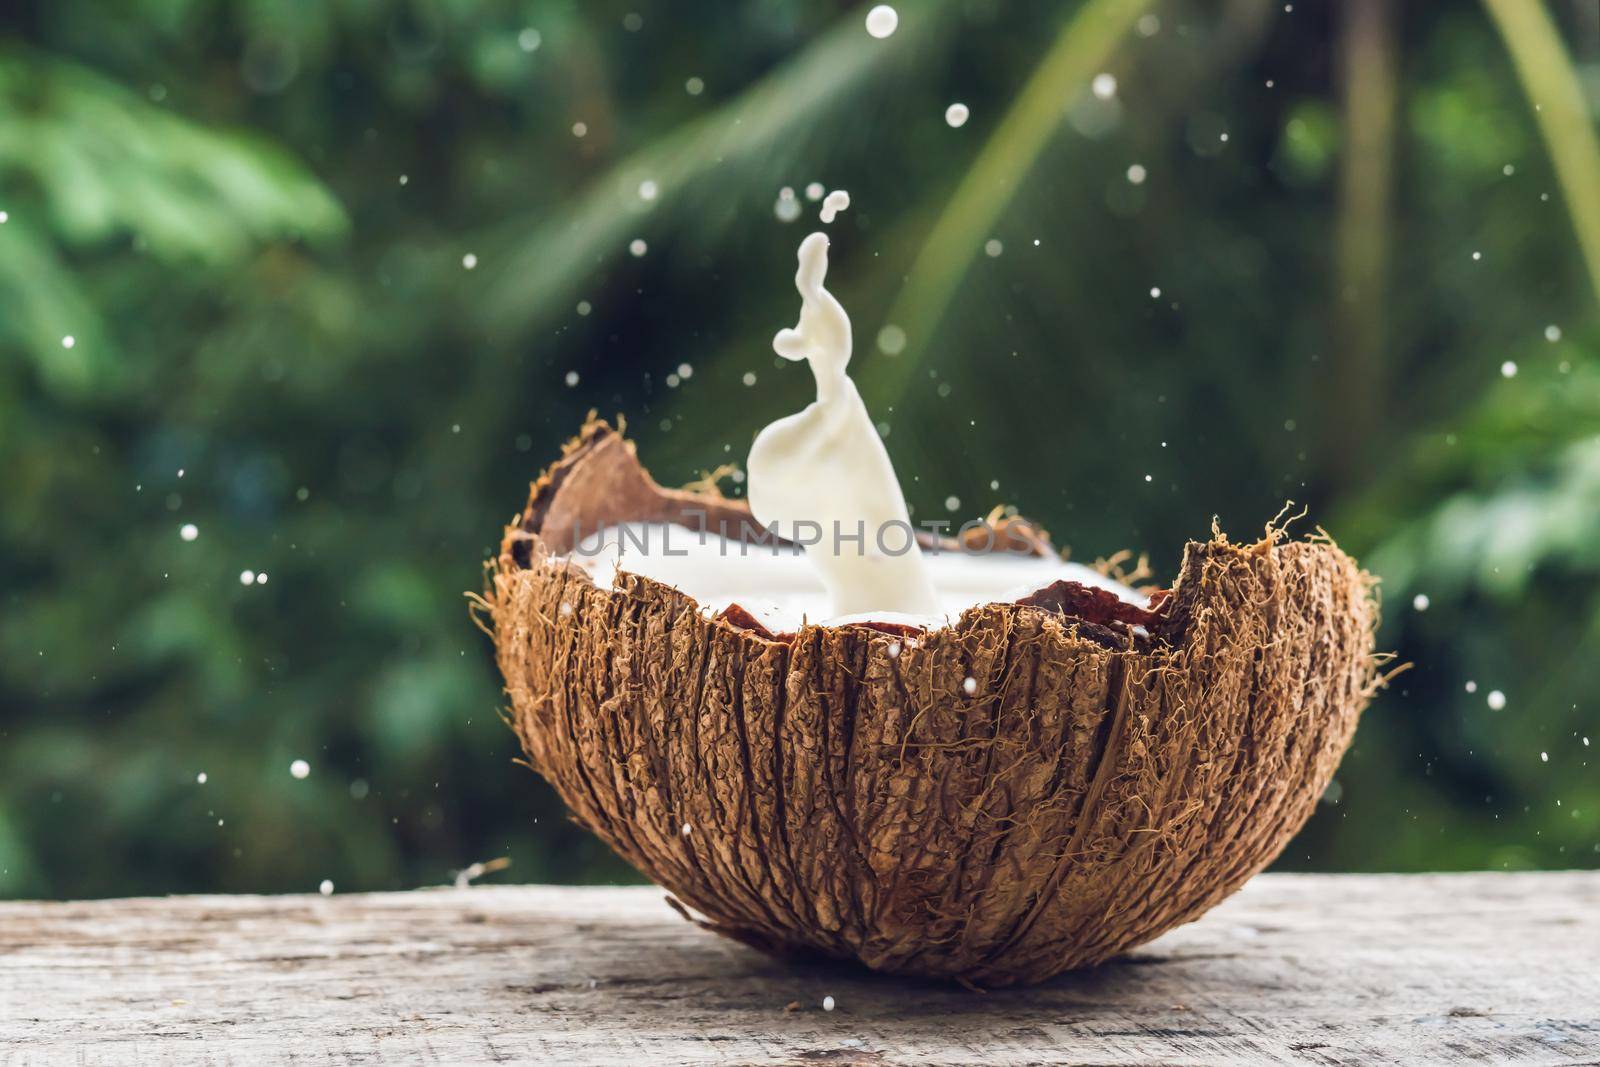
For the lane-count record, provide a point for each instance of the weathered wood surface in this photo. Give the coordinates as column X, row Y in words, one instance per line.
column 1295, row 969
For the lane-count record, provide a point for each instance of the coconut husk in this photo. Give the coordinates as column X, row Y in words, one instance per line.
column 1116, row 771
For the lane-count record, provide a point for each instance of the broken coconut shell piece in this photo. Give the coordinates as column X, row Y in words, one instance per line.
column 1109, row 773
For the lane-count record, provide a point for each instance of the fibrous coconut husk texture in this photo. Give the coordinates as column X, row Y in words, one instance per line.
column 839, row 791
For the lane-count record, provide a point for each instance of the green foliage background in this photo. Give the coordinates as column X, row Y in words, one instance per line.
column 251, row 217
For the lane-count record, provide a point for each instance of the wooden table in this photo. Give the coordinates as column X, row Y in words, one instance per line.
column 1344, row 969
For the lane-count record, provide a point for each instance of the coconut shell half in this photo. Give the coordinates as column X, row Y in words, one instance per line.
column 1114, row 773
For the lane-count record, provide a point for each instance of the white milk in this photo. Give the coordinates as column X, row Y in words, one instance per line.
column 782, row 587
column 822, row 477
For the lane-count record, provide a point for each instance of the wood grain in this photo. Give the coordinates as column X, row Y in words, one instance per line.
column 1345, row 969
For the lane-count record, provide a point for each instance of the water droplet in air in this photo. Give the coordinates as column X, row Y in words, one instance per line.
column 572, row 378
column 1496, row 700
column 637, row 247
column 1472, row 687
column 1552, row 333
column 787, row 208
column 247, row 577
column 992, row 248
column 1420, row 602
column 1155, row 292
column 1104, row 86
column 68, row 341
column 891, row 340
column 951, row 503
column 189, row 531
column 1508, row 369
column 749, row 378
column 201, row 778
column 882, row 20
column 299, row 768
column 529, row 40
column 648, row 190
column 1136, row 174
column 694, row 86
column 814, row 191
column 956, row 115
column 469, row 261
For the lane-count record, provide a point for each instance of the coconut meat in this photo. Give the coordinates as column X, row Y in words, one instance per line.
column 777, row 585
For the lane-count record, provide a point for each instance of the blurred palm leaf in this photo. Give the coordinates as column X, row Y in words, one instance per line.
column 1085, row 43
column 85, row 162
column 749, row 142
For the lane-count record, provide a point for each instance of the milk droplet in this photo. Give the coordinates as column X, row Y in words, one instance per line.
column 299, row 768
column 882, row 20
column 891, row 340
column 814, row 191
column 687, row 829
column 189, row 531
column 694, row 86
column 529, row 40
column 1508, row 170
column 648, row 190
column 637, row 247
column 1155, row 292
column 1508, row 369
column 1148, row 25
column 749, row 378
column 956, row 115
column 969, row 686
column 1544, row 757
column 1496, row 700
column 1552, row 333
column 1472, row 687
column 1420, row 601
column 893, row 649
column 834, row 203
column 201, row 778
column 469, row 261
column 1136, row 174
column 580, row 129
column 951, row 503
column 1104, row 86
column 685, row 371
column 1477, row 255
column 572, row 378
column 247, row 577
column 68, row 341
column 5, row 217
column 326, row 887
column 827, row 1002
column 992, row 248
column 261, row 577
column 584, row 307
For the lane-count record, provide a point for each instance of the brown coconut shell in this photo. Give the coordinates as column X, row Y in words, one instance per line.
column 837, row 791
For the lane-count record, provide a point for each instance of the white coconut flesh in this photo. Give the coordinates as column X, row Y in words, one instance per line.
column 781, row 589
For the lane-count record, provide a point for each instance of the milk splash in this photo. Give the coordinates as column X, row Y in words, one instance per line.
column 822, row 477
